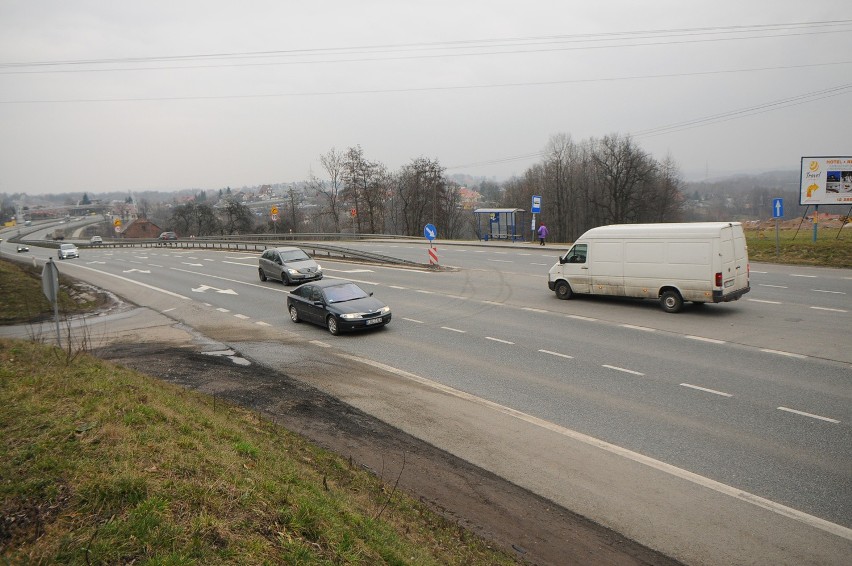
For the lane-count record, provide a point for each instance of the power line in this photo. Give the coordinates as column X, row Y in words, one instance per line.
column 698, row 122
column 430, row 88
column 696, row 35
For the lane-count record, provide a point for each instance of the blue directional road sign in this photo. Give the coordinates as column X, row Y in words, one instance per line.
column 430, row 232
column 778, row 208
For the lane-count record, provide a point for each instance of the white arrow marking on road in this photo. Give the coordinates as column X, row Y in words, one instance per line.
column 138, row 270
column 208, row 288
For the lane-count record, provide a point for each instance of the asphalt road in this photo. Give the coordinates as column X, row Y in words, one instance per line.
column 749, row 401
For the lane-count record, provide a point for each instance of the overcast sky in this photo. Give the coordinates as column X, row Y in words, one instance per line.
column 116, row 95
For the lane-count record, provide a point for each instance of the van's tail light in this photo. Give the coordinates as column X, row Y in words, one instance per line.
column 719, row 279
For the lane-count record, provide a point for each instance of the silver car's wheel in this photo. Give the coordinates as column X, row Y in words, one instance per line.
column 294, row 314
column 261, row 274
column 332, row 325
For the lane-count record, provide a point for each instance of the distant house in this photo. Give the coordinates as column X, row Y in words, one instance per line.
column 141, row 228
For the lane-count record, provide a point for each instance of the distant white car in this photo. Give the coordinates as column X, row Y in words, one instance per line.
column 96, row 240
column 67, row 251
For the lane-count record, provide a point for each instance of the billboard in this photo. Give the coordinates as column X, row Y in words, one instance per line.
column 826, row 180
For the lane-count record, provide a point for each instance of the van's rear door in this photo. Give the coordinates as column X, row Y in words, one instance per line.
column 734, row 260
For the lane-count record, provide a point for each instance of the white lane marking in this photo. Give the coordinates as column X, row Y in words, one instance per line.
column 493, row 303
column 767, row 302
column 154, row 265
column 207, row 259
column 703, row 339
column 425, row 292
column 773, row 286
column 828, row 309
column 524, row 254
column 578, row 317
column 541, row 264
column 556, row 354
column 616, row 368
column 713, row 391
column 454, row 297
column 240, row 264
column 168, row 310
column 733, row 492
column 221, row 309
column 322, row 344
column 808, row 276
column 633, row 327
column 530, row 309
column 498, row 340
column 261, row 323
column 824, row 291
column 153, row 288
column 454, row 330
column 502, row 260
column 193, row 264
column 397, row 287
column 811, row 415
column 413, row 320
column 763, row 272
column 781, row 353
column 242, row 316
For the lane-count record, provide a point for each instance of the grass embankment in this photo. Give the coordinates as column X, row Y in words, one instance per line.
column 22, row 299
column 101, row 464
column 827, row 251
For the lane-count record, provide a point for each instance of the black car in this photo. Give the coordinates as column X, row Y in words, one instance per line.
column 337, row 304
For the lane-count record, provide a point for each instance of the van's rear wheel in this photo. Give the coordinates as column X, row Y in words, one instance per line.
column 563, row 290
column 671, row 301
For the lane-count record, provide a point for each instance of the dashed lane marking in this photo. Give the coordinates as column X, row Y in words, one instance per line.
column 713, row 391
column 810, row 415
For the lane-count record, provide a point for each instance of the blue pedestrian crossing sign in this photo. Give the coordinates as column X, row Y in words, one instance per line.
column 430, row 232
column 778, row 208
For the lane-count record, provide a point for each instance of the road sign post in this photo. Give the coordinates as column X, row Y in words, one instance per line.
column 50, row 288
column 430, row 232
column 777, row 213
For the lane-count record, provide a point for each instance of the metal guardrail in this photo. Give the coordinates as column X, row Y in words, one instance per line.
column 245, row 244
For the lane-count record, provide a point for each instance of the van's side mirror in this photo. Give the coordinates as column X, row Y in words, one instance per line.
column 562, row 259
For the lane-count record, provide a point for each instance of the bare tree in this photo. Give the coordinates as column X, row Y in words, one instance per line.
column 328, row 192
column 624, row 173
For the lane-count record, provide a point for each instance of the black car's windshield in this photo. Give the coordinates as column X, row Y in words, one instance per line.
column 346, row 292
column 295, row 255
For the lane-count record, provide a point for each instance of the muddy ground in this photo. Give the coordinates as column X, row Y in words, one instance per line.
column 535, row 530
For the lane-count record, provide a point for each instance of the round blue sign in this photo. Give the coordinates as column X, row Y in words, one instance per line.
column 430, row 232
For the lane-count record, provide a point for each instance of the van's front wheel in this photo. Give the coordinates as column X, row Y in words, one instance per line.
column 671, row 301
column 563, row 290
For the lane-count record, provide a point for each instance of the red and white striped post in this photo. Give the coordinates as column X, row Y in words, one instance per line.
column 433, row 255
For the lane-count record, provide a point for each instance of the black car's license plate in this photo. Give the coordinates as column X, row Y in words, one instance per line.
column 373, row 321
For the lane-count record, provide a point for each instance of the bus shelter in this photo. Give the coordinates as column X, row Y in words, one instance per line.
column 500, row 223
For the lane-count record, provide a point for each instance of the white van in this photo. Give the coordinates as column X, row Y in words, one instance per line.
column 702, row 262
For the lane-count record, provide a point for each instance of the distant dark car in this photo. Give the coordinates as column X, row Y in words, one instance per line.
column 288, row 265
column 22, row 249
column 337, row 304
column 168, row 236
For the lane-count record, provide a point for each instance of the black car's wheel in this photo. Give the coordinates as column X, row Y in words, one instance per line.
column 294, row 314
column 563, row 290
column 261, row 274
column 331, row 322
column 671, row 301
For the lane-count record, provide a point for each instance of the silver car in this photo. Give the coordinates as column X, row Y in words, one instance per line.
column 288, row 265
column 67, row 250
